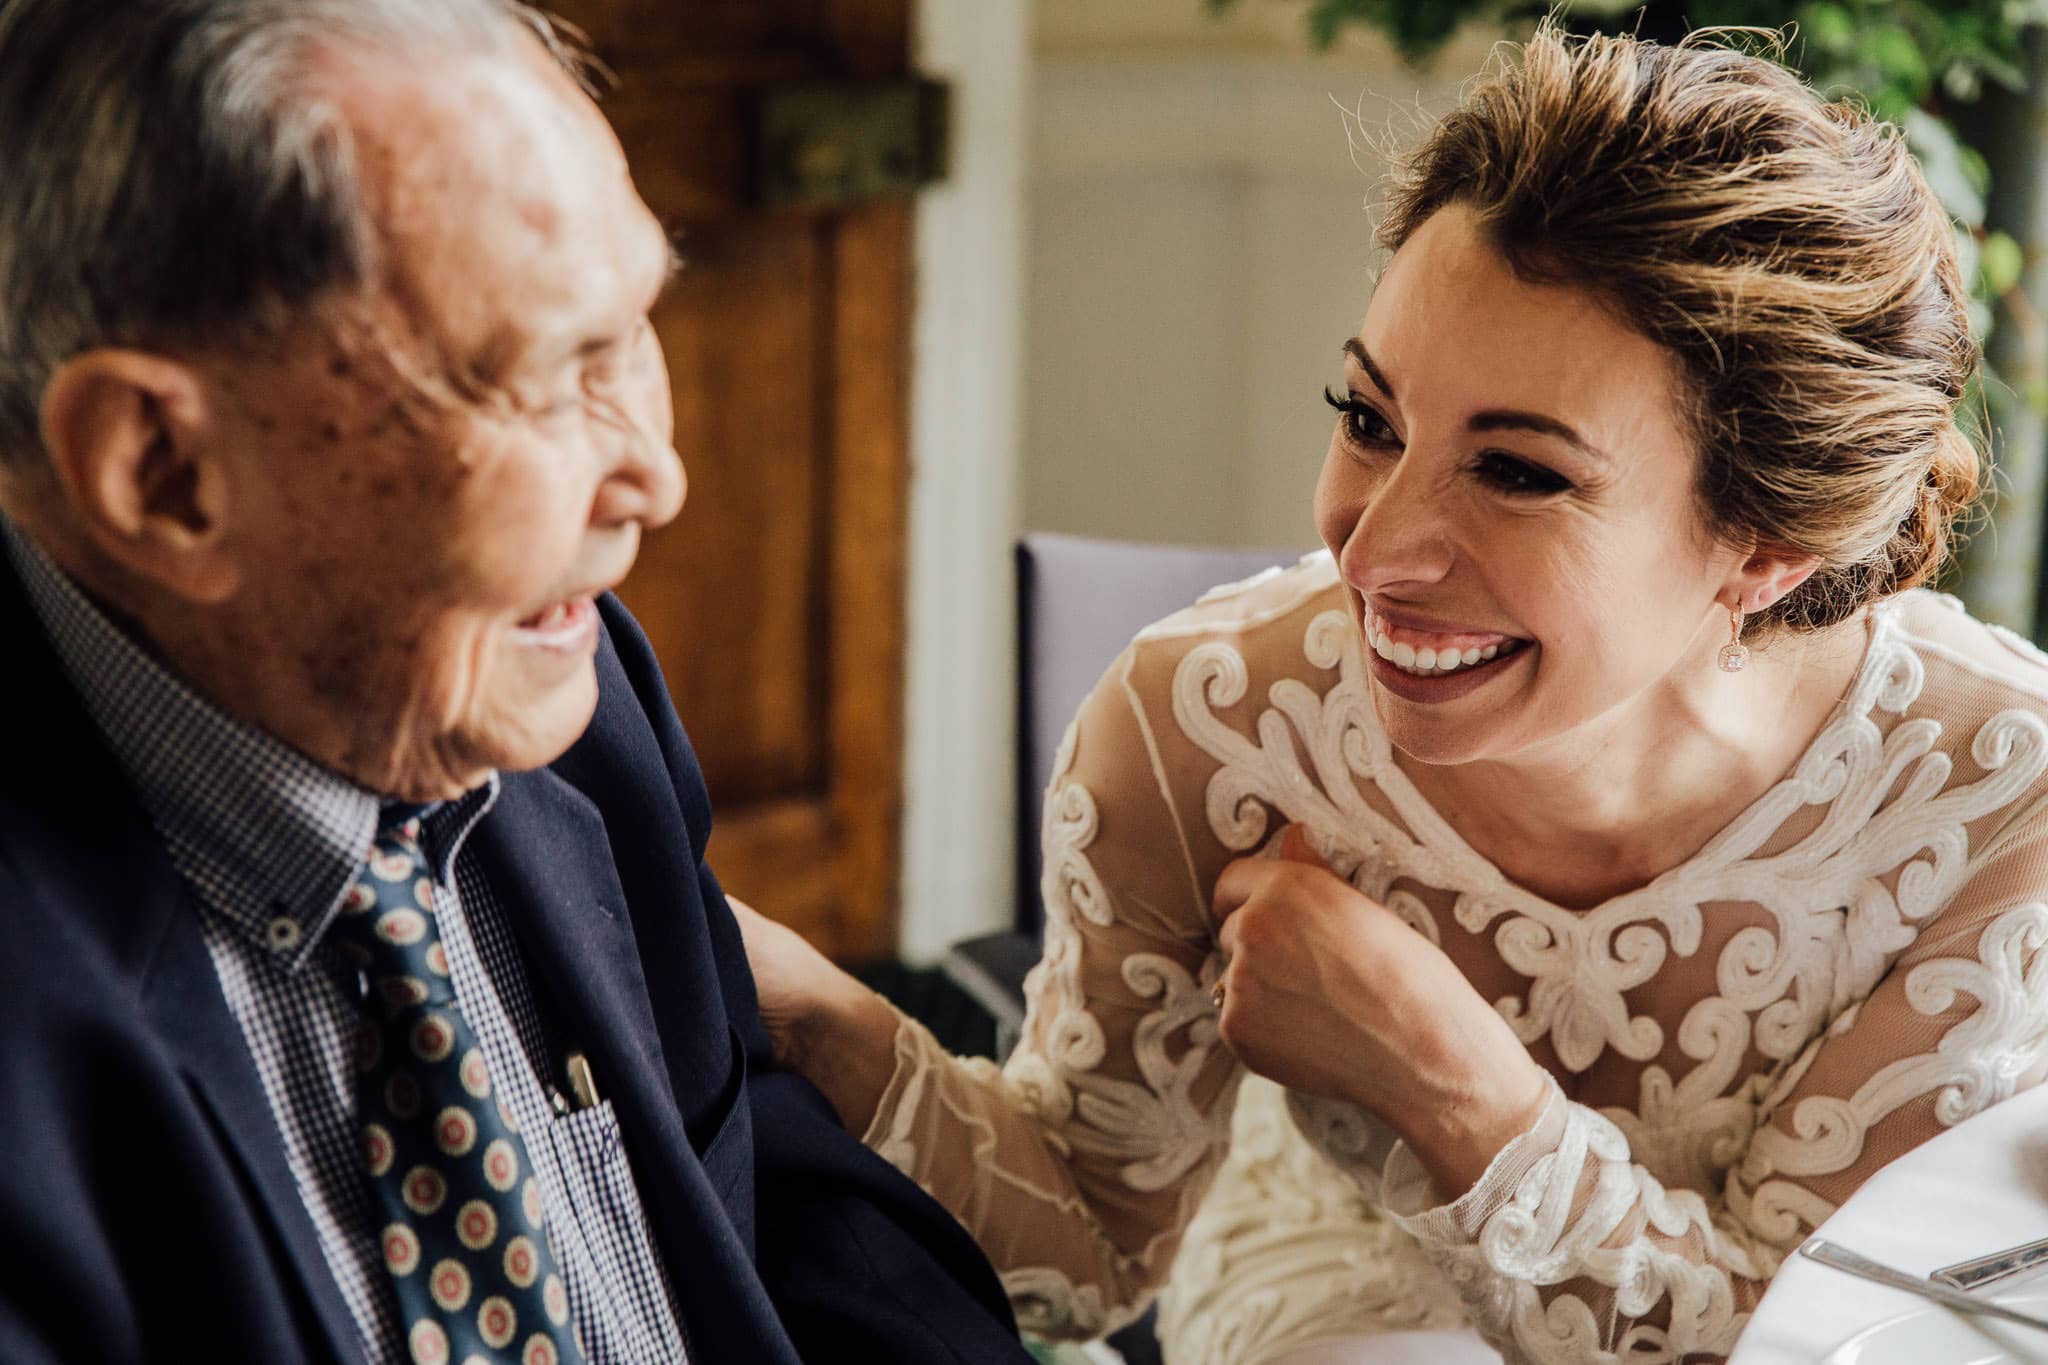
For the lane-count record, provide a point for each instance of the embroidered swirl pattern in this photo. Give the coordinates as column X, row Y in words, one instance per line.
column 1889, row 971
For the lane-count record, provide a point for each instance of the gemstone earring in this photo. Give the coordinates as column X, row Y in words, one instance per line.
column 1734, row 655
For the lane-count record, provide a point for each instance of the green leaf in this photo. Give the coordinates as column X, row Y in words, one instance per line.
column 1892, row 48
column 2000, row 264
column 1423, row 29
column 1329, row 18
column 1971, row 163
column 1827, row 27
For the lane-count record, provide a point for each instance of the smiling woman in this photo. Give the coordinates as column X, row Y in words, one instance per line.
column 1577, row 975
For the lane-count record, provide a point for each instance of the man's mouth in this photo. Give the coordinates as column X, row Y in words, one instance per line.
column 549, row 618
column 561, row 624
column 1435, row 654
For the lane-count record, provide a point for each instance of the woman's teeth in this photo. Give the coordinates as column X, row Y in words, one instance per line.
column 1431, row 663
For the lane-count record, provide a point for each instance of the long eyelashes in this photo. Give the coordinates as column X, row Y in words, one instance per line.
column 1511, row 475
column 1362, row 421
column 1365, row 427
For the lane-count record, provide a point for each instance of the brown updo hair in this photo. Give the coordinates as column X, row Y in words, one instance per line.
column 1786, row 250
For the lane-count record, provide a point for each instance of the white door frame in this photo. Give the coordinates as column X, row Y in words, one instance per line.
column 966, row 404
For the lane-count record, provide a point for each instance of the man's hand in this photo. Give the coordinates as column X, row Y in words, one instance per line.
column 1328, row 992
column 824, row 1025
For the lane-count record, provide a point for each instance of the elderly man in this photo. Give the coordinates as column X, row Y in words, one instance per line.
column 365, row 993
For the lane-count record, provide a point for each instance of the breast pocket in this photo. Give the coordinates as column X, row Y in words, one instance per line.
column 592, row 1153
column 612, row 1227
column 728, row 1151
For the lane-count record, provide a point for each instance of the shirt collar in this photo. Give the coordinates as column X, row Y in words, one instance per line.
column 269, row 838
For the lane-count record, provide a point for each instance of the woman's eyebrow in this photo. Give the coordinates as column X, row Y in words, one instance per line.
column 1510, row 419
column 1493, row 419
column 1355, row 348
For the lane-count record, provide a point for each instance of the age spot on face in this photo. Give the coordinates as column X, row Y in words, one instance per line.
column 407, row 420
column 417, row 678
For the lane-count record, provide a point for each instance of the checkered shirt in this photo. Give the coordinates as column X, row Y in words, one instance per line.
column 268, row 841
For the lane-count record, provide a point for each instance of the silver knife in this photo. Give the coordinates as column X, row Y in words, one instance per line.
column 1841, row 1258
column 2012, row 1263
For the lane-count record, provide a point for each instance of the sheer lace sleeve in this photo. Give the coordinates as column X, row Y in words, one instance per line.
column 1078, row 1165
column 1851, row 966
column 1569, row 1251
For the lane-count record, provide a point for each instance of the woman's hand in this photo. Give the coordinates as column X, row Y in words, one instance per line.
column 824, row 1025
column 1328, row 992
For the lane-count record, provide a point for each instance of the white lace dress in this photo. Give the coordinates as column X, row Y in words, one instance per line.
column 1851, row 965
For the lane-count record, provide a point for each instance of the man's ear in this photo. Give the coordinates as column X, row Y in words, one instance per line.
column 129, row 436
column 1767, row 574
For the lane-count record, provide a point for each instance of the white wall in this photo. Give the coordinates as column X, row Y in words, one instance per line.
column 1130, row 293
column 1199, row 248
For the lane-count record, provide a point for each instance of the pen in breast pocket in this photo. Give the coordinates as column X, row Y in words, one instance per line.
column 582, row 1084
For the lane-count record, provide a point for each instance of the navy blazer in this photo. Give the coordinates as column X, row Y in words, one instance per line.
column 146, row 1210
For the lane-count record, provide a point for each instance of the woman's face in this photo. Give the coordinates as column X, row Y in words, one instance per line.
column 1511, row 487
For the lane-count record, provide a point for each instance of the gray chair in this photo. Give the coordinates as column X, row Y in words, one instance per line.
column 1079, row 602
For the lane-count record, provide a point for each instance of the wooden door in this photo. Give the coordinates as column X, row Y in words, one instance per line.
column 775, row 601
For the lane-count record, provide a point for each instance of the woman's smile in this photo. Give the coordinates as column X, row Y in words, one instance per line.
column 1423, row 660
column 1440, row 685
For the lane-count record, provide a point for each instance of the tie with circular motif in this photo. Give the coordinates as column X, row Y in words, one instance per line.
column 463, row 1229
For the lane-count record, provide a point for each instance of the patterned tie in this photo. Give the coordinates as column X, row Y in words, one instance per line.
column 463, row 1227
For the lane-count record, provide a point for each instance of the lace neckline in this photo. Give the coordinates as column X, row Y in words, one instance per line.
column 1429, row 827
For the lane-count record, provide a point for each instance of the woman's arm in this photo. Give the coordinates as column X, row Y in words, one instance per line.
column 1078, row 1165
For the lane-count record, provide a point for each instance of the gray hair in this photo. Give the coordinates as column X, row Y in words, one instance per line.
column 170, row 174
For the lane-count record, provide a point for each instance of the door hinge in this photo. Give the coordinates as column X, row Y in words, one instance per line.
column 827, row 144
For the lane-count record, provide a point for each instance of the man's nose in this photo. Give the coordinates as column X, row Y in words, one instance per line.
column 647, row 482
column 667, row 483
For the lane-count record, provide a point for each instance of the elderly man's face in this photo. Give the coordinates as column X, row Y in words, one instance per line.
column 439, row 479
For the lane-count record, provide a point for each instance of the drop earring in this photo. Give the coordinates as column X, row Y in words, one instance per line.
column 1734, row 655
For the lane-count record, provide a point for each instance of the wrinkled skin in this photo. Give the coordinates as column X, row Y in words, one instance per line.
column 352, row 536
